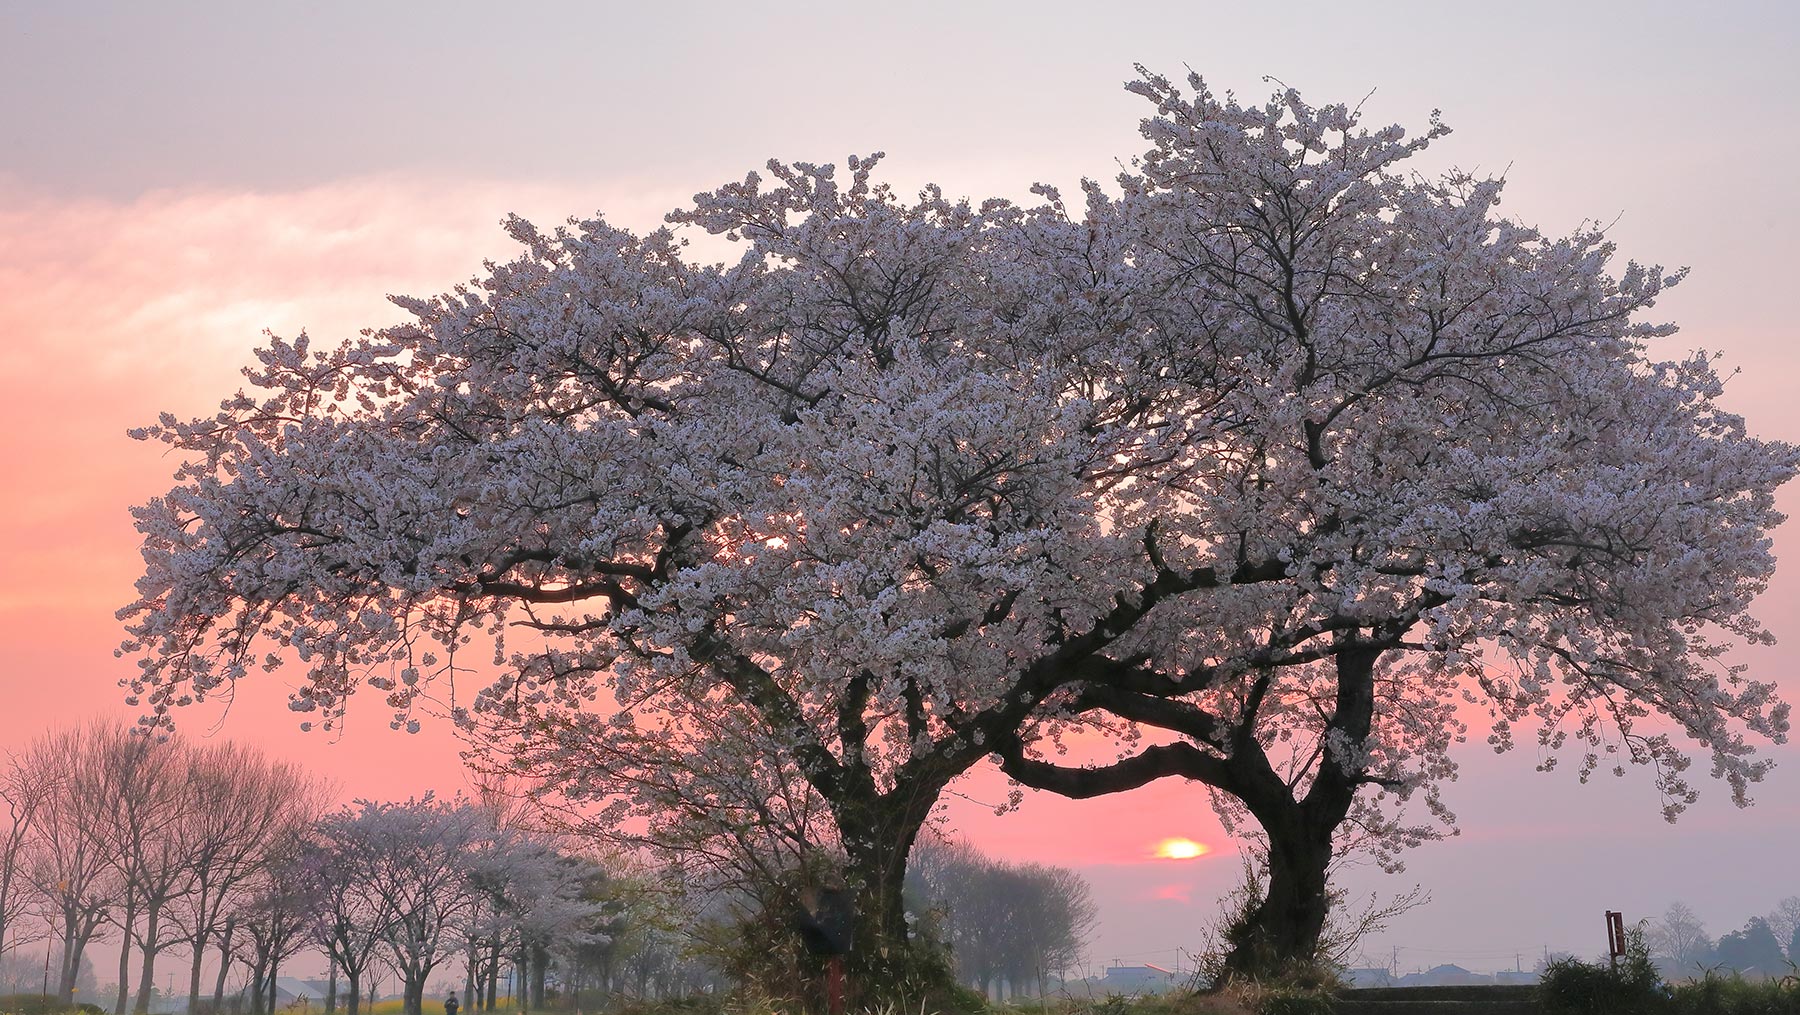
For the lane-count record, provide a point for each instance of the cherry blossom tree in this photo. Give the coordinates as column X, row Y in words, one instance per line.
column 1446, row 462
column 1275, row 448
column 347, row 916
column 415, row 860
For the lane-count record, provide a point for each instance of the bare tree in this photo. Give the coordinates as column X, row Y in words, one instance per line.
column 22, row 793
column 68, row 866
column 243, row 804
column 274, row 920
column 1680, row 938
column 142, row 787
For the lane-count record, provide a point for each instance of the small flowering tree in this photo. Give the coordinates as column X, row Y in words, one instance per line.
column 1275, row 448
column 417, row 859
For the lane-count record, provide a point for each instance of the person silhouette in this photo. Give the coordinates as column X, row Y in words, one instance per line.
column 450, row 1005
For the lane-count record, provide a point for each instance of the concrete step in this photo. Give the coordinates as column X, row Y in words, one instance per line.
column 1467, row 992
column 1401, row 1007
column 1470, row 1000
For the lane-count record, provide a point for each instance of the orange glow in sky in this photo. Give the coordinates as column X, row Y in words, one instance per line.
column 1181, row 849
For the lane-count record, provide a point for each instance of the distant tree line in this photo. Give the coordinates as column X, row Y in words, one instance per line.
column 223, row 856
column 1007, row 925
column 1768, row 944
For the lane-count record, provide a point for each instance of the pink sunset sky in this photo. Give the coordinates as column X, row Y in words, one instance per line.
column 176, row 179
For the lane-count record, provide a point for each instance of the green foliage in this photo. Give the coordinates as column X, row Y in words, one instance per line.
column 1732, row 995
column 1299, row 988
column 1289, row 1002
column 699, row 1004
column 34, row 1004
column 1632, row 987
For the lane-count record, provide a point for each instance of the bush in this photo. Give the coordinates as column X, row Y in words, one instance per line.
column 1632, row 987
column 1733, row 995
column 31, row 1004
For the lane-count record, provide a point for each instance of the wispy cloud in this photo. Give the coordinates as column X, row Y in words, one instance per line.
column 1173, row 893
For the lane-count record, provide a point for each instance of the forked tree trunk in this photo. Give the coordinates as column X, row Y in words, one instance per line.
column 147, row 957
column 1286, row 926
column 224, row 964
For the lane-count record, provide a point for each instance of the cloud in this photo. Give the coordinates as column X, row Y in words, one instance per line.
column 111, row 312
column 1172, row 893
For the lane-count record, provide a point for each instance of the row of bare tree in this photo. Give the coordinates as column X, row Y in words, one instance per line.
column 219, row 853
column 168, row 844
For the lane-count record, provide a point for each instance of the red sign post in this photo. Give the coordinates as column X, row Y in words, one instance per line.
column 1615, row 936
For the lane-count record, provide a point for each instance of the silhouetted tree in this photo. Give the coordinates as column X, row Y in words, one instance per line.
column 68, row 864
column 1280, row 448
column 1680, row 939
column 1754, row 947
column 23, row 790
column 1003, row 922
column 1784, row 919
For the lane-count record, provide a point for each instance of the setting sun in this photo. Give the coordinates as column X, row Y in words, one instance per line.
column 1181, row 849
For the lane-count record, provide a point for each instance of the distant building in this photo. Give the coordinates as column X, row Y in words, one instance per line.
column 1516, row 978
column 1368, row 977
column 1136, row 979
column 1447, row 975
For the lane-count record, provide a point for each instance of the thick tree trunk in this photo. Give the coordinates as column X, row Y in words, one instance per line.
column 331, row 988
column 274, row 974
column 1284, row 927
column 147, row 968
column 413, row 980
column 257, row 972
column 127, row 923
column 75, row 941
column 193, row 1001
column 878, row 837
column 224, row 964
column 540, row 964
column 353, row 981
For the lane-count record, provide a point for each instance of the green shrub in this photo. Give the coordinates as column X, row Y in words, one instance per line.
column 1733, row 995
column 1294, row 1001
column 1632, row 987
column 31, row 1004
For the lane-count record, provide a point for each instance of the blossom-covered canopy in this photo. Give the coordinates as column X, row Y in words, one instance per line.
column 912, row 478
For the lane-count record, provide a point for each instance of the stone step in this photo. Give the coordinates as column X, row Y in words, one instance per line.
column 1464, row 992
column 1401, row 1007
column 1507, row 999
